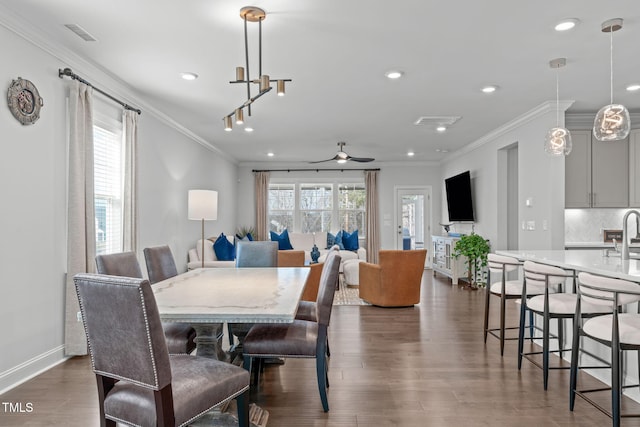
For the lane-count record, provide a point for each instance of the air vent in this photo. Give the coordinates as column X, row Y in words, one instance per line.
column 81, row 32
column 434, row 121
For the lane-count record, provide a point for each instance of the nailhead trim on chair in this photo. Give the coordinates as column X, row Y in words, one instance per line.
column 153, row 361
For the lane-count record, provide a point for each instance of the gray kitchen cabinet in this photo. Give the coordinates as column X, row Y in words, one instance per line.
column 596, row 173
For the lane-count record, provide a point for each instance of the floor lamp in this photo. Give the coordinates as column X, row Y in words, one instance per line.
column 203, row 204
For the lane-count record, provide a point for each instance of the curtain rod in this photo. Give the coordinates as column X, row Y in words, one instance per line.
column 311, row 170
column 69, row 73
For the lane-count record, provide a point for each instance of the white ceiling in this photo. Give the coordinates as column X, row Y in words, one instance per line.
column 337, row 52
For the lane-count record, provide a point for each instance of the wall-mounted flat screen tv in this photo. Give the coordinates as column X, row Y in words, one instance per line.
column 459, row 200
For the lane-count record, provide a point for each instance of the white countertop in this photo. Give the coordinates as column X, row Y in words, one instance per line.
column 589, row 260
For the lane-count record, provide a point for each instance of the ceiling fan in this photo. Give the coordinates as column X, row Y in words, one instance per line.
column 342, row 157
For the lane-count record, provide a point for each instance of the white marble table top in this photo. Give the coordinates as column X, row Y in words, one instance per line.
column 239, row 295
column 588, row 260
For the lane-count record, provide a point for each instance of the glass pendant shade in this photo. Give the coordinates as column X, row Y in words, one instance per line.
column 612, row 123
column 558, row 142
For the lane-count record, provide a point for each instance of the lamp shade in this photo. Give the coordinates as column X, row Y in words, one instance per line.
column 203, row 204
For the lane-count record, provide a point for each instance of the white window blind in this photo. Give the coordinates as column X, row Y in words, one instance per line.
column 107, row 140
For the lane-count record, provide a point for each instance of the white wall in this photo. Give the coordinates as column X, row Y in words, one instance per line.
column 33, row 189
column 540, row 177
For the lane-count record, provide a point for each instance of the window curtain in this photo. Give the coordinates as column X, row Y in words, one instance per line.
column 373, row 216
column 81, row 229
column 261, row 180
column 129, row 193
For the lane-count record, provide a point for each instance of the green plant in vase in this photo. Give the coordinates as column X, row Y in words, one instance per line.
column 475, row 248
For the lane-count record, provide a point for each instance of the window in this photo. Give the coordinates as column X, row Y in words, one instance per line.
column 317, row 207
column 316, row 202
column 281, row 207
column 352, row 205
column 107, row 164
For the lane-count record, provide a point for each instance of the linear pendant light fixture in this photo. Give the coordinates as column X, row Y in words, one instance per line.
column 251, row 14
column 558, row 140
column 612, row 123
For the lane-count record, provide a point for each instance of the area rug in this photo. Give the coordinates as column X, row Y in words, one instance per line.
column 347, row 295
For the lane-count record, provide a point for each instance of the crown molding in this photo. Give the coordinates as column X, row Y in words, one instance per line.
column 97, row 74
column 584, row 121
column 542, row 109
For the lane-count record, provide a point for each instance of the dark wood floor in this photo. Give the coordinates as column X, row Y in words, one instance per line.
column 420, row 366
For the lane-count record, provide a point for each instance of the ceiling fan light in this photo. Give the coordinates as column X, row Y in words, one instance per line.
column 612, row 123
column 558, row 142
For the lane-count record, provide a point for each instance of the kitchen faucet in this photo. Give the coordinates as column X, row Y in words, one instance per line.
column 625, row 237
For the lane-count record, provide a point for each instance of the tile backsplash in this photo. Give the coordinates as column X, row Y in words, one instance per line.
column 587, row 225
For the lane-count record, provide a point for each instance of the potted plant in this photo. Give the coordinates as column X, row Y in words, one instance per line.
column 243, row 230
column 475, row 248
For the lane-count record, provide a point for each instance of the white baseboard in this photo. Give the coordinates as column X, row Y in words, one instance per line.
column 29, row 369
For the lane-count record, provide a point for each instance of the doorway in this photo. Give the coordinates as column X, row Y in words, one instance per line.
column 413, row 217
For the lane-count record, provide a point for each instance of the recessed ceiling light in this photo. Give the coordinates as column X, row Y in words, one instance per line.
column 633, row 87
column 442, row 150
column 489, row 89
column 394, row 74
column 441, row 128
column 270, row 154
column 411, row 154
column 248, row 129
column 566, row 24
column 189, row 76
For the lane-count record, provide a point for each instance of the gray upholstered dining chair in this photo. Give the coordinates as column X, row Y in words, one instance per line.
column 180, row 337
column 252, row 254
column 139, row 383
column 160, row 263
column 302, row 338
column 256, row 254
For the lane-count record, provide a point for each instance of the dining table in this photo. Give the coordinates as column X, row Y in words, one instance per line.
column 206, row 298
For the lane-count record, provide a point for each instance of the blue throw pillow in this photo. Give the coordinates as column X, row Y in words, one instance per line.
column 283, row 240
column 224, row 249
column 331, row 240
column 338, row 240
column 350, row 241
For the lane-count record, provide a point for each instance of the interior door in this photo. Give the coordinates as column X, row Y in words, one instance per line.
column 413, row 218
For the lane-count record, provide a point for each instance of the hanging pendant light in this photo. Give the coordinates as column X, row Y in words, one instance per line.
column 612, row 122
column 558, row 139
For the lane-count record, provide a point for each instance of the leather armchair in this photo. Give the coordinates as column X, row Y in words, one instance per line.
column 395, row 282
column 290, row 258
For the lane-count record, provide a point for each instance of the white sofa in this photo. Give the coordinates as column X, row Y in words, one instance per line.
column 210, row 260
column 299, row 241
column 305, row 241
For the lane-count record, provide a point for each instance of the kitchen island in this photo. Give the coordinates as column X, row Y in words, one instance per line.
column 588, row 260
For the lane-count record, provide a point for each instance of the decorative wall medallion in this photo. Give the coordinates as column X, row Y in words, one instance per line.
column 24, row 101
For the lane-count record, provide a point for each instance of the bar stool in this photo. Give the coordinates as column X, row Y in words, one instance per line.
column 504, row 289
column 552, row 304
column 618, row 330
